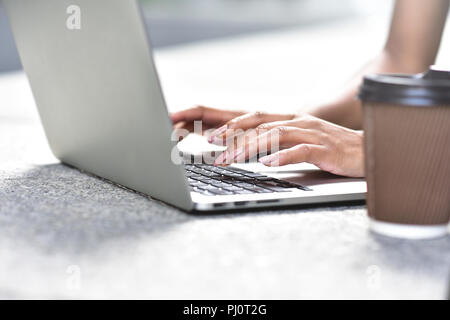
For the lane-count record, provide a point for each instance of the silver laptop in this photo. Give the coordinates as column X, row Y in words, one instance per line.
column 90, row 66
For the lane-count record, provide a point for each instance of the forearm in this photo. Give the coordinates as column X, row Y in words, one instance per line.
column 412, row 46
column 345, row 109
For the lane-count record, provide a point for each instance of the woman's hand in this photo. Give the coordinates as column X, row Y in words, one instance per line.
column 209, row 117
column 330, row 147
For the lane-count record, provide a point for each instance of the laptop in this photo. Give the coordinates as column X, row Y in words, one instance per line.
column 93, row 77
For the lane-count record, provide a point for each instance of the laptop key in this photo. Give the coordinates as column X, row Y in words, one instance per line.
column 232, row 174
column 207, row 180
column 233, row 188
column 222, row 185
column 234, row 169
column 199, row 184
column 189, row 173
column 244, row 185
column 222, row 192
column 212, row 175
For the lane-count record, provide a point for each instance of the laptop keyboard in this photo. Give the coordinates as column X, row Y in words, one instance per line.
column 211, row 180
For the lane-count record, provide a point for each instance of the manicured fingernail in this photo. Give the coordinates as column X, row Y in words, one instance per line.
column 218, row 131
column 268, row 160
column 216, row 141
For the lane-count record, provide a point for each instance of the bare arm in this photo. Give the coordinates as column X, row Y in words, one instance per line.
column 412, row 45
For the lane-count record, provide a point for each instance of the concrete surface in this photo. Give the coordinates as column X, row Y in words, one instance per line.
column 64, row 234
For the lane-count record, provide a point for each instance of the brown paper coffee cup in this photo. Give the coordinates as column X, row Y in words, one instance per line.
column 406, row 123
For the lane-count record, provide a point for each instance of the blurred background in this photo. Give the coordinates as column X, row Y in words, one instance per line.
column 177, row 22
column 254, row 54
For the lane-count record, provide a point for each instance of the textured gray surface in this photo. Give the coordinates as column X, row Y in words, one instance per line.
column 55, row 220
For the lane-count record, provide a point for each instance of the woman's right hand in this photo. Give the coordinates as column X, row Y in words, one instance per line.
column 222, row 120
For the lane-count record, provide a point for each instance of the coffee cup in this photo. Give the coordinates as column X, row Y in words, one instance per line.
column 406, row 120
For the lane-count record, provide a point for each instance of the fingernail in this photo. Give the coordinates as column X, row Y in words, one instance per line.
column 218, row 131
column 216, row 141
column 268, row 160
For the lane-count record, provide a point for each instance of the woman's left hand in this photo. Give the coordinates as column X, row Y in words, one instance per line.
column 330, row 147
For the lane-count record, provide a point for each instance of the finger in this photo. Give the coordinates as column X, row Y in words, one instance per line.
column 268, row 142
column 244, row 147
column 183, row 125
column 190, row 126
column 275, row 139
column 314, row 154
column 209, row 115
column 244, row 122
column 290, row 135
column 305, row 122
column 179, row 134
